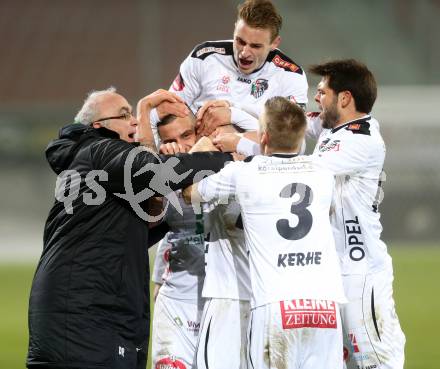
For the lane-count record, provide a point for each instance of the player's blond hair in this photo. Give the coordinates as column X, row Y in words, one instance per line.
column 261, row 14
column 285, row 124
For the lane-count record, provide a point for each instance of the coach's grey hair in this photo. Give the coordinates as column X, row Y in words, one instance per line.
column 89, row 111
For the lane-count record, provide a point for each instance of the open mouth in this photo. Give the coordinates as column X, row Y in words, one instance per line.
column 131, row 135
column 245, row 62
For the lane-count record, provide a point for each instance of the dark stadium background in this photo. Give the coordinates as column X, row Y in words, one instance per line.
column 54, row 51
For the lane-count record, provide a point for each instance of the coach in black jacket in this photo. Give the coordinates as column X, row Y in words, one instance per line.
column 89, row 303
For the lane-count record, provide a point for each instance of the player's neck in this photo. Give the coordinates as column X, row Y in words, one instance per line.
column 346, row 118
column 273, row 151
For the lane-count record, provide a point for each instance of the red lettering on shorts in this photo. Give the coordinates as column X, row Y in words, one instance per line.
column 169, row 363
column 354, row 344
column 305, row 313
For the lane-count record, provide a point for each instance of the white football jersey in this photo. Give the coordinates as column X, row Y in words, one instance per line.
column 227, row 262
column 210, row 73
column 285, row 202
column 183, row 282
column 355, row 152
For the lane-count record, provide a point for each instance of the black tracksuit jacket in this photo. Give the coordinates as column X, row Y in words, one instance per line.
column 89, row 302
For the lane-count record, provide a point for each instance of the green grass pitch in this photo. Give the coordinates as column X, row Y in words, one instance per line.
column 416, row 291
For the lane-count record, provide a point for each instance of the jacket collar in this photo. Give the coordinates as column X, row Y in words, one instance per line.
column 104, row 132
column 61, row 151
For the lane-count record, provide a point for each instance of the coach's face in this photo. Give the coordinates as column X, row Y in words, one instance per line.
column 327, row 100
column 116, row 114
column 251, row 46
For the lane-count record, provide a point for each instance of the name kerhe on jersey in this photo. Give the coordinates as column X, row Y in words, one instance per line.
column 299, row 259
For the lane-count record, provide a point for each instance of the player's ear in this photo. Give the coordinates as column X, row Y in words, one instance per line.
column 97, row 125
column 345, row 98
column 275, row 43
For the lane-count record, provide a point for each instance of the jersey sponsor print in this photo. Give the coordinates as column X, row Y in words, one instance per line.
column 304, row 313
column 170, row 363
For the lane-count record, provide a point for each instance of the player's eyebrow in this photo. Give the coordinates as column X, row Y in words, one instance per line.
column 252, row 44
column 239, row 39
column 188, row 131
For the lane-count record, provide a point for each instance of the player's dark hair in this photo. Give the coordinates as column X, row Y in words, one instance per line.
column 350, row 75
column 285, row 123
column 261, row 14
column 167, row 119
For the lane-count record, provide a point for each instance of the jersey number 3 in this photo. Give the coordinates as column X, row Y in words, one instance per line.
column 298, row 208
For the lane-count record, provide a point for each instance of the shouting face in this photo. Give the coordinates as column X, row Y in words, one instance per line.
column 327, row 100
column 251, row 46
column 116, row 114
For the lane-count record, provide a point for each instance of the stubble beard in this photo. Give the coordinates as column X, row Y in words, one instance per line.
column 330, row 116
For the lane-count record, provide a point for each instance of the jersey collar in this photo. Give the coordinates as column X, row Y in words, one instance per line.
column 362, row 120
column 285, row 155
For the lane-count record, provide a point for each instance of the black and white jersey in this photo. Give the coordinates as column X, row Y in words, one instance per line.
column 210, row 72
column 285, row 203
column 355, row 152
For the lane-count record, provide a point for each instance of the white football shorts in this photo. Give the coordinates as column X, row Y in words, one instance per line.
column 373, row 338
column 295, row 334
column 176, row 325
column 223, row 341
